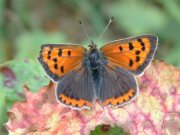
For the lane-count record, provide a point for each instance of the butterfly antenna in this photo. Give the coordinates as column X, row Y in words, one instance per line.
column 84, row 30
column 106, row 28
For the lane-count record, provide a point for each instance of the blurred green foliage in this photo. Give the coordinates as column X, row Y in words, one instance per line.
column 25, row 25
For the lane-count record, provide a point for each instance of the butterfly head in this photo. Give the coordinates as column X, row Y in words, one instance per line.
column 92, row 46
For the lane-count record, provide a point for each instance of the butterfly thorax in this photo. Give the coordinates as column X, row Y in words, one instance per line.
column 94, row 60
column 95, row 57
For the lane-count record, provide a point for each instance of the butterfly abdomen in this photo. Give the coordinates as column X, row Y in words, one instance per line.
column 97, row 81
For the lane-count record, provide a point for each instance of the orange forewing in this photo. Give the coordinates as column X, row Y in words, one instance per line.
column 132, row 53
column 61, row 59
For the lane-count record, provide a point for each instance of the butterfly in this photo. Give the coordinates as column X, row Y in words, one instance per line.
column 107, row 74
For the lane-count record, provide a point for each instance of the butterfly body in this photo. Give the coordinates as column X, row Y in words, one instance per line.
column 106, row 74
column 95, row 61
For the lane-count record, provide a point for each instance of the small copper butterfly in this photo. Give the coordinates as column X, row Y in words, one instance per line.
column 106, row 74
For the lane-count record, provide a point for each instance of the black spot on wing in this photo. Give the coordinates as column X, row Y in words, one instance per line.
column 60, row 52
column 138, row 52
column 49, row 52
column 55, row 66
column 137, row 58
column 62, row 69
column 139, row 40
column 142, row 44
column 131, row 63
column 131, row 47
column 69, row 53
column 49, row 57
column 54, row 59
column 143, row 48
column 120, row 48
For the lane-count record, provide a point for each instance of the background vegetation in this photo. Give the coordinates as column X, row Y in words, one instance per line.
column 25, row 25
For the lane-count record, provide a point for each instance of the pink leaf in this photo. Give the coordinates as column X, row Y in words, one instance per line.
column 155, row 111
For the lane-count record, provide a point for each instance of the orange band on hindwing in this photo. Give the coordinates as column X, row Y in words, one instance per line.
column 74, row 102
column 119, row 100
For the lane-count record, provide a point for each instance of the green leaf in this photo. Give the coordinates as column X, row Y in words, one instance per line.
column 15, row 74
